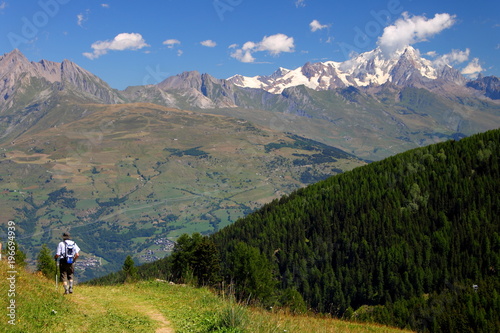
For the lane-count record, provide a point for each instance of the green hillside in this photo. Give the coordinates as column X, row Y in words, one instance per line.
column 130, row 178
column 400, row 241
column 411, row 241
column 150, row 306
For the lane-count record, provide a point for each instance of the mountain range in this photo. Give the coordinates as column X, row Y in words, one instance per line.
column 372, row 68
column 370, row 106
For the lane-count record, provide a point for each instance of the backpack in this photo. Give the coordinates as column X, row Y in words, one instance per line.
column 70, row 252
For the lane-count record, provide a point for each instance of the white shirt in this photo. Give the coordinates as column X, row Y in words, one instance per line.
column 61, row 248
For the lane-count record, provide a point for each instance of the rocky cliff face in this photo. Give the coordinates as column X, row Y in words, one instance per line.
column 488, row 85
column 13, row 67
column 30, row 90
column 17, row 73
column 189, row 90
column 75, row 77
column 410, row 70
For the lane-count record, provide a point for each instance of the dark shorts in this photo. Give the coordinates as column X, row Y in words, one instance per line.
column 66, row 270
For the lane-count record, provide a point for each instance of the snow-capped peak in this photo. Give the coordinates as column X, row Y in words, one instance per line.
column 366, row 69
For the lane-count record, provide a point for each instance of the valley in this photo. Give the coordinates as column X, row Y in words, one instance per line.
column 133, row 177
column 139, row 167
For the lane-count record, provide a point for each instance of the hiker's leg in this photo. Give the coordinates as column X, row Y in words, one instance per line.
column 64, row 277
column 71, row 270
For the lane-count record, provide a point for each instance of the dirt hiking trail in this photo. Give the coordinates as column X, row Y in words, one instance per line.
column 121, row 300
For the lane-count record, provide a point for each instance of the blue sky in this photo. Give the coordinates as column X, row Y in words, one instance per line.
column 143, row 42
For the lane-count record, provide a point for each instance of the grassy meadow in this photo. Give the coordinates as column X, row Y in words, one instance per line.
column 151, row 306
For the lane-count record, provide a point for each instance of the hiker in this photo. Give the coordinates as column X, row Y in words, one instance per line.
column 67, row 253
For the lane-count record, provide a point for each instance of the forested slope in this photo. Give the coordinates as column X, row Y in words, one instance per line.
column 411, row 241
column 413, row 232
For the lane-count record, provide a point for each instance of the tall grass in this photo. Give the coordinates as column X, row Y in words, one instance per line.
column 40, row 308
column 136, row 307
column 197, row 310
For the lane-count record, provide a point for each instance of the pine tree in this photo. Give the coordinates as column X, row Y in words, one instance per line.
column 46, row 263
column 130, row 270
column 196, row 257
column 206, row 262
column 20, row 256
column 252, row 274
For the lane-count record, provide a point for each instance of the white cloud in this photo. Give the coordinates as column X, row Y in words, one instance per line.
column 243, row 56
column 232, row 46
column 300, row 3
column 105, row 5
column 249, row 46
column 79, row 18
column 329, row 40
column 179, row 52
column 455, row 57
column 473, row 68
column 274, row 45
column 82, row 17
column 123, row 41
column 315, row 25
column 3, row 5
column 208, row 43
column 409, row 30
column 171, row 43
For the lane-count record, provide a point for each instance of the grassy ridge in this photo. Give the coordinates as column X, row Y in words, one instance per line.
column 150, row 306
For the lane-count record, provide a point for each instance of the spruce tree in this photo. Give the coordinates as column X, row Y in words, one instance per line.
column 46, row 263
column 130, row 269
column 20, row 256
